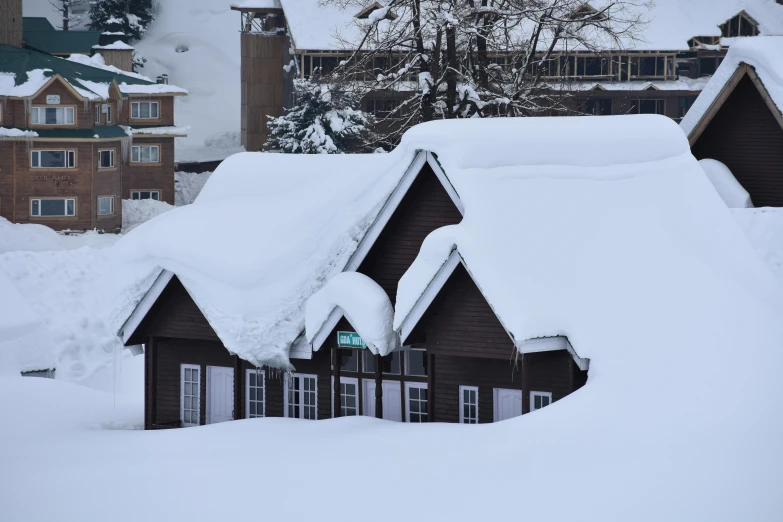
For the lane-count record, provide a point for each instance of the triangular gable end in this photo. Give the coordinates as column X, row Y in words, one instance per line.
column 51, row 80
column 742, row 70
column 167, row 310
column 455, row 273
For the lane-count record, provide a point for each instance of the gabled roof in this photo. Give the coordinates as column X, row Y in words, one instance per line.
column 760, row 58
column 38, row 33
column 24, row 72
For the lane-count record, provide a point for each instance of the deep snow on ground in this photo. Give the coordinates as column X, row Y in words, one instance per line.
column 136, row 212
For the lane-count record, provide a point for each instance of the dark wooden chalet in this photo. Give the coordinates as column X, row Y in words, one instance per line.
column 457, row 365
column 743, row 128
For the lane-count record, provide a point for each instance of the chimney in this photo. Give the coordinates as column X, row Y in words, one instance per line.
column 11, row 22
column 163, row 78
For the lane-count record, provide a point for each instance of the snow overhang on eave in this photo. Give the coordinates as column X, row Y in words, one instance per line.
column 129, row 327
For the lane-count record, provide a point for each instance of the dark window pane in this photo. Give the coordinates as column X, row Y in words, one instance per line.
column 52, row 158
column 369, row 361
column 417, row 362
column 52, row 207
column 391, row 363
column 349, row 360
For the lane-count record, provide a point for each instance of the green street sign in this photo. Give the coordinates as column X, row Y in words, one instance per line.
column 350, row 340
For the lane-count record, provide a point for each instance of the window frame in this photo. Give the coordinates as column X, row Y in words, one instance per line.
column 368, row 353
column 139, row 147
column 37, row 109
column 419, row 385
column 637, row 104
column 462, row 389
column 346, row 380
column 287, row 384
column 70, row 154
column 112, row 166
column 98, row 113
column 138, row 110
column 64, row 198
column 257, row 372
column 534, row 394
column 406, row 364
column 108, row 113
column 182, row 368
column 113, row 206
column 139, row 191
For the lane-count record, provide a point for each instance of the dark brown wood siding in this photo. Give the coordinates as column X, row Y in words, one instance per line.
column 171, row 354
column 274, row 385
column 426, row 207
column 546, row 372
column 175, row 315
column 461, row 322
column 746, row 137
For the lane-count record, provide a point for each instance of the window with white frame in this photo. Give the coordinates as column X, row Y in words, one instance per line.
column 144, row 110
column 52, row 115
column 105, row 205
column 106, row 159
column 108, row 113
column 349, row 396
column 416, row 395
column 97, row 113
column 301, row 396
column 190, row 390
column 145, row 194
column 53, row 207
column 416, row 362
column 539, row 400
column 468, row 404
column 52, row 159
column 255, row 394
column 145, row 154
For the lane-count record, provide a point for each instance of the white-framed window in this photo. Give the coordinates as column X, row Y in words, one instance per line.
column 106, row 159
column 144, row 110
column 52, row 159
column 349, row 396
column 416, row 400
column 301, row 396
column 108, row 113
column 416, row 362
column 539, row 400
column 53, row 207
column 190, row 390
column 52, row 115
column 97, row 113
column 105, row 205
column 145, row 154
column 145, row 194
column 255, row 394
column 468, row 404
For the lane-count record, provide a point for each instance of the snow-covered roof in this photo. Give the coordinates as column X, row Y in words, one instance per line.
column 265, row 233
column 119, row 45
column 670, row 23
column 731, row 191
column 619, row 249
column 764, row 229
column 763, row 54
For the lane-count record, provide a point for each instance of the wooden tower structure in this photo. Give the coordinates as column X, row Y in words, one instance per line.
column 11, row 22
column 267, row 71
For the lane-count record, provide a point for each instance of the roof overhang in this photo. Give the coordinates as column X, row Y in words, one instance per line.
column 140, row 312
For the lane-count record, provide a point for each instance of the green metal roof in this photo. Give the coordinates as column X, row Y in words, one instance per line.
column 19, row 61
column 99, row 132
column 39, row 34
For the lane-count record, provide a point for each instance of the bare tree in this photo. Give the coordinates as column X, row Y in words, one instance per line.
column 71, row 12
column 461, row 58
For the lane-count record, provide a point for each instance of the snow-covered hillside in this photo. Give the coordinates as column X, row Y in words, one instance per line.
column 196, row 42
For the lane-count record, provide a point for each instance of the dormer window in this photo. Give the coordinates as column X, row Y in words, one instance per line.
column 741, row 25
column 365, row 13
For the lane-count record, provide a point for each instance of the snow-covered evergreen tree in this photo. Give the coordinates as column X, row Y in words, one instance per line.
column 324, row 121
column 127, row 16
